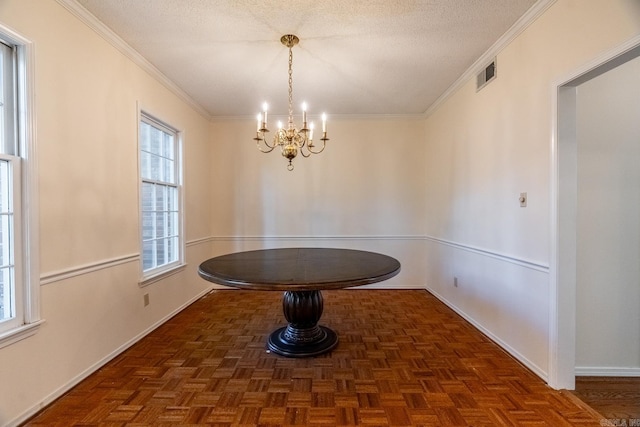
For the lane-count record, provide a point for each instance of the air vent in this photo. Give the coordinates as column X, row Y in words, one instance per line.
column 486, row 75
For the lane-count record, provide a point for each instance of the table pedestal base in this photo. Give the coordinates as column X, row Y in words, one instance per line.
column 303, row 337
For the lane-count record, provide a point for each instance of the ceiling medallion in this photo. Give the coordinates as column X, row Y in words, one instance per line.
column 290, row 140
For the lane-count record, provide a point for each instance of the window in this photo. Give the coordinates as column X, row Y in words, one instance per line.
column 160, row 194
column 10, row 294
column 19, row 284
column 9, row 186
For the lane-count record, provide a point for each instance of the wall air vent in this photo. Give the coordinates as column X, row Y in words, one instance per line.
column 486, row 75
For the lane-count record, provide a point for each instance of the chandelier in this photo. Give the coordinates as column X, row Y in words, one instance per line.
column 290, row 140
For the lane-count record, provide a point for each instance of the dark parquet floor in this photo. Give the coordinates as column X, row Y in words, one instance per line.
column 404, row 359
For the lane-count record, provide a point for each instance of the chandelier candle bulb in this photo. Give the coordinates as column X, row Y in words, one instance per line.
column 324, row 123
column 264, row 107
column 304, row 115
column 311, row 126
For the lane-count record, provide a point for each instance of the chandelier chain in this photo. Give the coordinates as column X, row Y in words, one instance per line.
column 290, row 88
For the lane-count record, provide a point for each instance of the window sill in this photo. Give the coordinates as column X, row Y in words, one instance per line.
column 18, row 334
column 146, row 281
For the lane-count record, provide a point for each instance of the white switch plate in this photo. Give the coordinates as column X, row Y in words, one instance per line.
column 523, row 200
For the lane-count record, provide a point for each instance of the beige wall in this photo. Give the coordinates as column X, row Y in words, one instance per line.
column 485, row 148
column 367, row 182
column 86, row 110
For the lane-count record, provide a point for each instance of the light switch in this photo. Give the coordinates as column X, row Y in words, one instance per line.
column 523, row 200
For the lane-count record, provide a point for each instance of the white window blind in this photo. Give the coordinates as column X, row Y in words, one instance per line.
column 160, row 196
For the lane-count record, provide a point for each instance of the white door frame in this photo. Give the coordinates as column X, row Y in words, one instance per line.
column 564, row 207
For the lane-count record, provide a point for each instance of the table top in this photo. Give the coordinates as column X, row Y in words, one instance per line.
column 299, row 269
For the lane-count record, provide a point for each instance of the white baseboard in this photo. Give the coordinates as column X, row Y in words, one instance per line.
column 513, row 352
column 93, row 368
column 605, row 371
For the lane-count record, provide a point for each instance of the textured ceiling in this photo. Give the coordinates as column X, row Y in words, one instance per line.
column 354, row 56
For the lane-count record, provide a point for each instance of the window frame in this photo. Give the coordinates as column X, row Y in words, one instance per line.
column 15, row 236
column 159, row 272
column 25, row 188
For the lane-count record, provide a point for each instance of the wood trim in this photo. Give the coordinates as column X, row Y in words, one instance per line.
column 20, row 333
column 533, row 265
column 199, row 241
column 310, row 238
column 606, row 371
column 59, row 275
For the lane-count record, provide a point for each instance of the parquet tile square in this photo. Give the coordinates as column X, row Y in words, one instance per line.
column 403, row 359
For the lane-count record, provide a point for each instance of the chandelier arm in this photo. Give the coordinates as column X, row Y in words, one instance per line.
column 303, row 153
column 266, row 151
column 304, row 146
column 324, row 144
column 264, row 140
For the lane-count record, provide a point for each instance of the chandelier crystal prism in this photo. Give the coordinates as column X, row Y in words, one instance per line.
column 290, row 140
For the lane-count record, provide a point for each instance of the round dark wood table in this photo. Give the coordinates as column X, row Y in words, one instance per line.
column 302, row 273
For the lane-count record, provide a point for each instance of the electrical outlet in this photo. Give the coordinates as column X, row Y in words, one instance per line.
column 455, row 282
column 145, row 298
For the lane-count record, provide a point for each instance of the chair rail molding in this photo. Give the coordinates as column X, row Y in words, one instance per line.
column 533, row 265
column 56, row 276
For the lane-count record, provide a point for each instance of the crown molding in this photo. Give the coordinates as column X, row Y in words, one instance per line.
column 116, row 41
column 516, row 29
column 340, row 117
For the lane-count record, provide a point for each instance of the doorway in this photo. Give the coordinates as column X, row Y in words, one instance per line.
column 570, row 166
